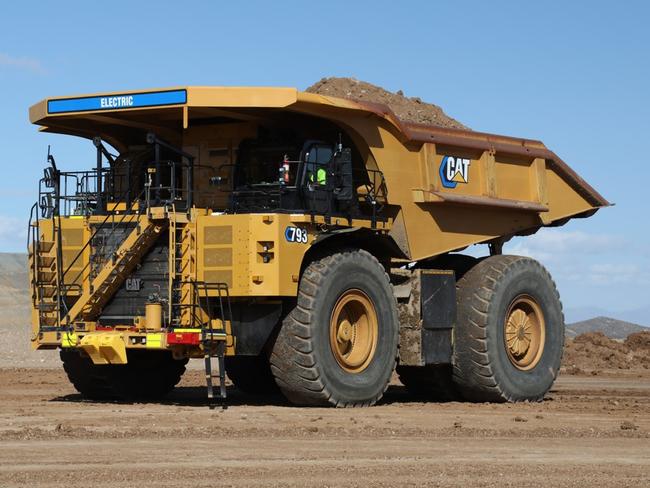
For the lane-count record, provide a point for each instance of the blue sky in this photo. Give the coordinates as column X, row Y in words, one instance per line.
column 573, row 74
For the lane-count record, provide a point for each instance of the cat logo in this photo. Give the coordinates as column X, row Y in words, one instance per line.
column 454, row 170
column 133, row 284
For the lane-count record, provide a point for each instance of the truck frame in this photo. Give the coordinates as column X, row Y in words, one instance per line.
column 308, row 244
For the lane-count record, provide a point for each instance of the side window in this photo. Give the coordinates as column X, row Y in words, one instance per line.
column 318, row 158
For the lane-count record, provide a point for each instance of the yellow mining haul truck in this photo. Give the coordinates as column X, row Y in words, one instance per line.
column 307, row 243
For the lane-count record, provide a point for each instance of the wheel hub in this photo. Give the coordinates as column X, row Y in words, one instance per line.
column 353, row 331
column 524, row 332
column 345, row 332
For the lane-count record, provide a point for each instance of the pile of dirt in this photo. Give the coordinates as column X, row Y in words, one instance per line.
column 411, row 109
column 594, row 351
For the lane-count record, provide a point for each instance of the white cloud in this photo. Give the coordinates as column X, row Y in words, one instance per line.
column 22, row 63
column 602, row 272
column 608, row 274
column 584, row 259
column 553, row 244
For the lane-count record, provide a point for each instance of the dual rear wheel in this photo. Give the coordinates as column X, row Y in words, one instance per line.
column 338, row 346
column 508, row 337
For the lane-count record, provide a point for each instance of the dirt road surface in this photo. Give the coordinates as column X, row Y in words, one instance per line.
column 590, row 431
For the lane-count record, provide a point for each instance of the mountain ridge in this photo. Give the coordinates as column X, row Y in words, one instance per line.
column 612, row 328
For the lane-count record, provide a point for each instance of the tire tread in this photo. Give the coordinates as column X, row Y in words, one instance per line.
column 293, row 361
column 472, row 368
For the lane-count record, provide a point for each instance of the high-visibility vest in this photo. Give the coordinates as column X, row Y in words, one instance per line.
column 321, row 176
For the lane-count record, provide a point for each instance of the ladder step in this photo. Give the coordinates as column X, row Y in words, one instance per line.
column 221, row 374
column 46, row 276
column 215, row 336
column 47, row 307
column 47, row 320
column 48, row 290
column 45, row 246
column 45, row 262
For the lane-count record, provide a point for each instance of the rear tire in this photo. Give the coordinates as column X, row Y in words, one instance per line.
column 251, row 374
column 509, row 333
column 148, row 375
column 338, row 346
column 91, row 380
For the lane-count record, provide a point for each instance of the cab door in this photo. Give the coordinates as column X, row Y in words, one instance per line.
column 316, row 184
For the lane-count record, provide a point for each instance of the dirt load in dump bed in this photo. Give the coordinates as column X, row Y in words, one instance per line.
column 595, row 351
column 411, row 109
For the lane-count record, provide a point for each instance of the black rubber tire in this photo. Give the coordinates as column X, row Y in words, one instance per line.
column 302, row 360
column 431, row 382
column 481, row 367
column 147, row 376
column 251, row 374
column 91, row 380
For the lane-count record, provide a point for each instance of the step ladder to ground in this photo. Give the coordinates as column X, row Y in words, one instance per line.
column 214, row 336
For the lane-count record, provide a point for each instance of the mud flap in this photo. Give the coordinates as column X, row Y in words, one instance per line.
column 427, row 313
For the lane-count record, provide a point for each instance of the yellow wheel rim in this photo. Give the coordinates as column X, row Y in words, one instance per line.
column 353, row 331
column 524, row 332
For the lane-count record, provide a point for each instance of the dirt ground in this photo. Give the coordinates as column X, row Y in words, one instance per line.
column 590, row 431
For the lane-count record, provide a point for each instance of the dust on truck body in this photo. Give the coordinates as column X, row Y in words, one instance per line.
column 308, row 243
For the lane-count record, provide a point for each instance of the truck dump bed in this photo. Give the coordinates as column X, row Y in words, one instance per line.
column 445, row 189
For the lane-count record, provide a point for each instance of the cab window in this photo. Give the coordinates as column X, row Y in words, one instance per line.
column 317, row 160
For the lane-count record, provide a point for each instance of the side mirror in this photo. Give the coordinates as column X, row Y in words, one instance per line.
column 47, row 208
column 343, row 171
column 49, row 177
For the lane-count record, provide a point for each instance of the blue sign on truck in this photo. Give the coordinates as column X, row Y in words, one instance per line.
column 112, row 102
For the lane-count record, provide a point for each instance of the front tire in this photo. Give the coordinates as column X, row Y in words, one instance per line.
column 509, row 334
column 338, row 346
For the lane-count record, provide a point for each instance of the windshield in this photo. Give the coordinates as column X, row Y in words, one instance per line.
column 260, row 164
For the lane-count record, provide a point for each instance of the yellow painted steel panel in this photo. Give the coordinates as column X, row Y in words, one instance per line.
column 218, row 234
column 218, row 276
column 217, row 257
column 105, row 347
column 155, row 341
column 69, row 339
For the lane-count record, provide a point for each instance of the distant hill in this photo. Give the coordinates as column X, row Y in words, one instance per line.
column 15, row 328
column 13, row 280
column 612, row 328
column 639, row 315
